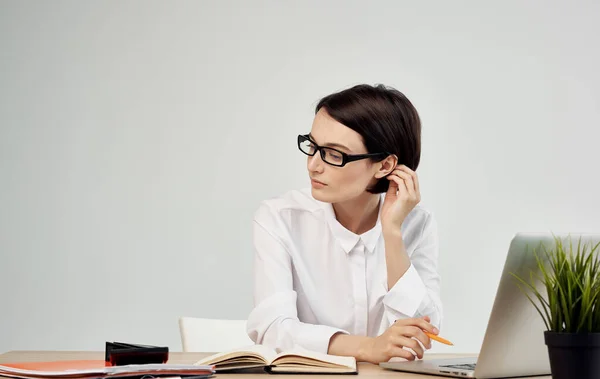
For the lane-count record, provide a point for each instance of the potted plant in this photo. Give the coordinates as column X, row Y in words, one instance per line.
column 568, row 300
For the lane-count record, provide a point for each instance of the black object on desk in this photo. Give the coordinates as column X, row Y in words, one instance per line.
column 121, row 354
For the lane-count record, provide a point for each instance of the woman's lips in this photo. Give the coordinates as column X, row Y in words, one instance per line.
column 317, row 184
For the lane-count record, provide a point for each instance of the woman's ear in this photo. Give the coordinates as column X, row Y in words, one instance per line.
column 387, row 166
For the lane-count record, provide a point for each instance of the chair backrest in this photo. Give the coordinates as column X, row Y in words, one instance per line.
column 212, row 335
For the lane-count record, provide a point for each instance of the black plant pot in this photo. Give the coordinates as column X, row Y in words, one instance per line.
column 574, row 355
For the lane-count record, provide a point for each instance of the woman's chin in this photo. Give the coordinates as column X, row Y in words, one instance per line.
column 321, row 194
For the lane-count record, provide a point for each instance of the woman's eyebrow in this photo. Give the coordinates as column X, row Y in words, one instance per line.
column 330, row 144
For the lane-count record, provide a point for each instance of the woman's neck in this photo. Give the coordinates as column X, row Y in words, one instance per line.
column 359, row 214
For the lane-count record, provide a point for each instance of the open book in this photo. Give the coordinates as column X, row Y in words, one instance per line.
column 296, row 361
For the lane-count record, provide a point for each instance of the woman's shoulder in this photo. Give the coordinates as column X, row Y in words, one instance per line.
column 297, row 200
column 418, row 222
column 421, row 213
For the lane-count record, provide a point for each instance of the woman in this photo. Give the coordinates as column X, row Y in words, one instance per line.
column 349, row 267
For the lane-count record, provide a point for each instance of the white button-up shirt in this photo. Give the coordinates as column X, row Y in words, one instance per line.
column 314, row 278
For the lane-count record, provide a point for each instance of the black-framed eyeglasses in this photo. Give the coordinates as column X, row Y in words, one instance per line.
column 330, row 155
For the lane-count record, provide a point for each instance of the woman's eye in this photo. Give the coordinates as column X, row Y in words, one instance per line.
column 336, row 157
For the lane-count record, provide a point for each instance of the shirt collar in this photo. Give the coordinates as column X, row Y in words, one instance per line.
column 348, row 240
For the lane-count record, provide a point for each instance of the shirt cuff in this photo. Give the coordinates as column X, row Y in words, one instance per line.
column 407, row 294
column 316, row 337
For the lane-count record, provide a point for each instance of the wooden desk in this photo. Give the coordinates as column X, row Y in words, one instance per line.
column 365, row 370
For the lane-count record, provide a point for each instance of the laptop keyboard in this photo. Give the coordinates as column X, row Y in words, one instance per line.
column 465, row 366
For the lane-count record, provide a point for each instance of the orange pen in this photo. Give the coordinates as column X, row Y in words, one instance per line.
column 439, row 339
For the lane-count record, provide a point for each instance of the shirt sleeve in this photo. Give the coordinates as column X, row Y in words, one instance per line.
column 274, row 320
column 417, row 292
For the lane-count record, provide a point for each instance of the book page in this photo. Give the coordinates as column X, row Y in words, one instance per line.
column 303, row 369
column 313, row 358
column 252, row 354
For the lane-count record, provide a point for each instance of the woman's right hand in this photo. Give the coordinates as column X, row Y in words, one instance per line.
column 403, row 333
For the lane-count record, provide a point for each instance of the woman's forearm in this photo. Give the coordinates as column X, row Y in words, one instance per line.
column 396, row 257
column 350, row 346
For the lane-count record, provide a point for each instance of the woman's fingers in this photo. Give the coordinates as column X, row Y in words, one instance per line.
column 410, row 177
column 410, row 343
column 416, row 332
column 397, row 351
column 408, row 181
column 392, row 192
column 420, row 322
column 400, row 183
column 416, row 180
column 413, row 175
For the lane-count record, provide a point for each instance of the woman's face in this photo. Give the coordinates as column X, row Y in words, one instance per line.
column 333, row 184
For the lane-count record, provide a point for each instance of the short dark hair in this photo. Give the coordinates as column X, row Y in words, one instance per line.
column 384, row 117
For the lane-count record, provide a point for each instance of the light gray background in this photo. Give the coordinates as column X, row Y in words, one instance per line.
column 138, row 137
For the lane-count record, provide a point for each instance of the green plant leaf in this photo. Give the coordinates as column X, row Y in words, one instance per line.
column 570, row 276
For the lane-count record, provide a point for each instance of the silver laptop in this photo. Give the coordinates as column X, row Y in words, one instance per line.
column 513, row 345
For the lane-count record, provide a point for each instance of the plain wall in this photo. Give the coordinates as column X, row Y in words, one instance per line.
column 137, row 138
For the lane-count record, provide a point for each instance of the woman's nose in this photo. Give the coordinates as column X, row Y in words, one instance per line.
column 315, row 163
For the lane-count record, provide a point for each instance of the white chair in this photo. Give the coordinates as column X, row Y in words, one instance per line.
column 212, row 335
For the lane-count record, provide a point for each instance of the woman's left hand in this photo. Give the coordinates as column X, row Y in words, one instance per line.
column 402, row 196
